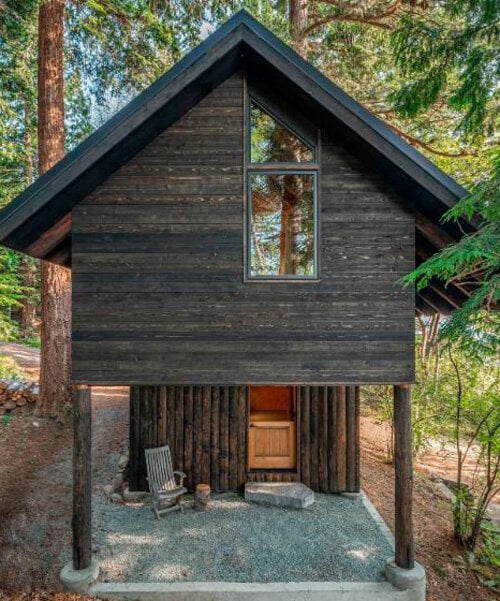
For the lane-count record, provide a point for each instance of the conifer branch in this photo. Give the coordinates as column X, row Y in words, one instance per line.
column 416, row 142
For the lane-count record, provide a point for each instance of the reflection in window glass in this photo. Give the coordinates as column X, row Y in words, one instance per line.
column 271, row 142
column 281, row 237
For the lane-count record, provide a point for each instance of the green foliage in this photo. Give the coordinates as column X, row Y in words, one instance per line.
column 6, row 419
column 477, row 424
column 17, row 96
column 11, row 293
column 475, row 260
column 487, row 556
column 9, row 369
column 32, row 342
column 452, row 55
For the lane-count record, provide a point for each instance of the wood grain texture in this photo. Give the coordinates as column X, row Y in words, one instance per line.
column 352, row 441
column 209, row 438
column 341, row 439
column 224, row 439
column 159, row 296
column 82, row 478
column 215, row 451
column 403, row 482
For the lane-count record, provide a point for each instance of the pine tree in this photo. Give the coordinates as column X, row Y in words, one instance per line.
column 459, row 62
column 55, row 366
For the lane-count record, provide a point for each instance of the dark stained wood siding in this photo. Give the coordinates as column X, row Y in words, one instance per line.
column 158, row 291
column 215, row 450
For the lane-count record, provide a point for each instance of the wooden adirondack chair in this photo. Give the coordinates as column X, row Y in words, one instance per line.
column 166, row 490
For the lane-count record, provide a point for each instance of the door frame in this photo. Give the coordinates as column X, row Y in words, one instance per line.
column 296, row 470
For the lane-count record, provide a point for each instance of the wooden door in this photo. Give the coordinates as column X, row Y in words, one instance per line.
column 272, row 445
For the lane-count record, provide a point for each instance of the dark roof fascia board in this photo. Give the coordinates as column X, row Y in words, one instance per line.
column 114, row 131
column 353, row 114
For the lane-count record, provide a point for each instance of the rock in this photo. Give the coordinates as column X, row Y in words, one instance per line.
column 9, row 405
column 117, row 482
column 295, row 494
column 134, row 496
column 13, row 386
column 123, row 462
column 116, row 498
column 108, row 490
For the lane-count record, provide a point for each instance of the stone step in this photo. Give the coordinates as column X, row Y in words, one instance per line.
column 294, row 494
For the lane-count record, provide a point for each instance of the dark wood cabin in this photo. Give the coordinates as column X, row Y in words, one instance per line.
column 236, row 235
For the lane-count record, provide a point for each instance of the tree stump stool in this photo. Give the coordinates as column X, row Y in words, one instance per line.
column 201, row 497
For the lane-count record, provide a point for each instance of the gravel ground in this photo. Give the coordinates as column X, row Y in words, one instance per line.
column 335, row 539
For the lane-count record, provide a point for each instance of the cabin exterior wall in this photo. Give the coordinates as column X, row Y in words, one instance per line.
column 158, row 251
column 206, row 428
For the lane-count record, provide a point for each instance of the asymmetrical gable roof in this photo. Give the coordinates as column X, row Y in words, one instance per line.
column 38, row 221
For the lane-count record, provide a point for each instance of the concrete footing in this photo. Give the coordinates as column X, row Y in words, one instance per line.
column 351, row 495
column 412, row 581
column 78, row 581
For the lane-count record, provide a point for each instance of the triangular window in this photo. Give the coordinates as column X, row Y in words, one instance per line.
column 272, row 142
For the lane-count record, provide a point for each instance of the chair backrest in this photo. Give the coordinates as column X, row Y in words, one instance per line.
column 160, row 471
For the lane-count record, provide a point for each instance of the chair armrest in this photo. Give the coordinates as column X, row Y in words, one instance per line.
column 181, row 475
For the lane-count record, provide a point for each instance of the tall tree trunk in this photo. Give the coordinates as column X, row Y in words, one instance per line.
column 56, row 281
column 290, row 220
column 298, row 23
column 29, row 270
column 28, row 267
column 285, row 246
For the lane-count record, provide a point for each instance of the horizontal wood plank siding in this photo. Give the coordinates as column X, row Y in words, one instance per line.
column 210, row 443
column 158, row 291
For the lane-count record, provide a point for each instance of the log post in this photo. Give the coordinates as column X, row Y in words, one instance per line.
column 403, row 528
column 82, row 484
column 352, row 439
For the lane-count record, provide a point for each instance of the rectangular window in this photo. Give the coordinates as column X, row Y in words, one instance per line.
column 281, row 176
column 282, row 241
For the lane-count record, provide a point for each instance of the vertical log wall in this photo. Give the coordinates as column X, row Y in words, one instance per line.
column 328, row 424
column 206, row 428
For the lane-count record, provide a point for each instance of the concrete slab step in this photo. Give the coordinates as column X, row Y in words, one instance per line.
column 237, row 591
column 295, row 494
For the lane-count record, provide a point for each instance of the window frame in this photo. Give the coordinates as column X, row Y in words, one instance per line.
column 285, row 168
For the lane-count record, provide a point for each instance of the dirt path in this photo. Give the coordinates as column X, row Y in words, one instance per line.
column 27, row 357
column 35, row 532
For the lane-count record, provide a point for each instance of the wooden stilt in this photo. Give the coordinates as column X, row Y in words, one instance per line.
column 82, row 483
column 352, row 439
column 134, row 438
column 405, row 555
column 341, row 438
